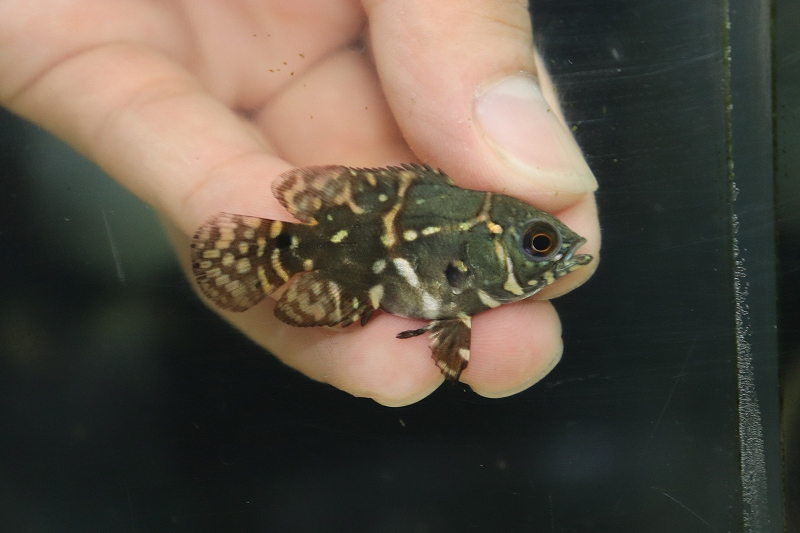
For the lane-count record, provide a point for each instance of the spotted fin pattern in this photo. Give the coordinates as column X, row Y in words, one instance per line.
column 402, row 239
column 449, row 343
column 304, row 192
column 238, row 260
column 314, row 300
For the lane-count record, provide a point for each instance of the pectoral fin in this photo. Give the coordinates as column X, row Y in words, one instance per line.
column 449, row 342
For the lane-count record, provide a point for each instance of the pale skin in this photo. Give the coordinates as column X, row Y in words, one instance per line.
column 197, row 105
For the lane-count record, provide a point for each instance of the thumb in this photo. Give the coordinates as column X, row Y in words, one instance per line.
column 463, row 81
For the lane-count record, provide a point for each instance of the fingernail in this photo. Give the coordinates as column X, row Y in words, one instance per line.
column 523, row 129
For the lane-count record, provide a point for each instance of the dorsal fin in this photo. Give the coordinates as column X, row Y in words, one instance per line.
column 425, row 172
column 304, row 191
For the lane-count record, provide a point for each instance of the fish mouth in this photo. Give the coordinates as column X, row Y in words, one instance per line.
column 570, row 261
column 572, row 249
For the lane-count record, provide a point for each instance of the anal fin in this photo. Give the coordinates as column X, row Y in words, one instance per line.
column 314, row 300
column 449, row 342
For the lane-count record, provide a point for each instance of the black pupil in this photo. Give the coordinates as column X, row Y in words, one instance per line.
column 541, row 243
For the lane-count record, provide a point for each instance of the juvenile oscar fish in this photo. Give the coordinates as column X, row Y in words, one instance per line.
column 405, row 240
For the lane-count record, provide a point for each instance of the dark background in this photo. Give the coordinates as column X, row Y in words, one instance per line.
column 125, row 405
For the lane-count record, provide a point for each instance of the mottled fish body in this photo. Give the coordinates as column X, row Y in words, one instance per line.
column 405, row 240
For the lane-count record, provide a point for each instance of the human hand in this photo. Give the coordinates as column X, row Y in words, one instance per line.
column 197, row 106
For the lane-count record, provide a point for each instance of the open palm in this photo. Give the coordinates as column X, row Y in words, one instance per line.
column 196, row 106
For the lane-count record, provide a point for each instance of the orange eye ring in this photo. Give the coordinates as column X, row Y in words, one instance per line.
column 541, row 243
column 541, row 240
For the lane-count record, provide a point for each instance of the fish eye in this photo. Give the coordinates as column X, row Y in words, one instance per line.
column 541, row 240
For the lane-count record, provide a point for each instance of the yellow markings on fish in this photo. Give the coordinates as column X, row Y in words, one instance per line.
column 266, row 286
column 275, row 261
column 243, row 265
column 389, row 238
column 487, row 300
column 339, row 236
column 497, row 229
column 253, row 222
column 375, row 295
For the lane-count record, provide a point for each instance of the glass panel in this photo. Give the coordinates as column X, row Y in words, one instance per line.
column 125, row 404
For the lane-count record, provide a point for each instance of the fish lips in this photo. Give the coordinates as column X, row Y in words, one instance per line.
column 571, row 262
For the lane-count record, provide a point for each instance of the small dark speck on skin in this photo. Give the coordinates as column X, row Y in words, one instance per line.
column 284, row 63
column 302, row 55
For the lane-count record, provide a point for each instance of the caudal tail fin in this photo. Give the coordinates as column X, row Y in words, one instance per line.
column 237, row 260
